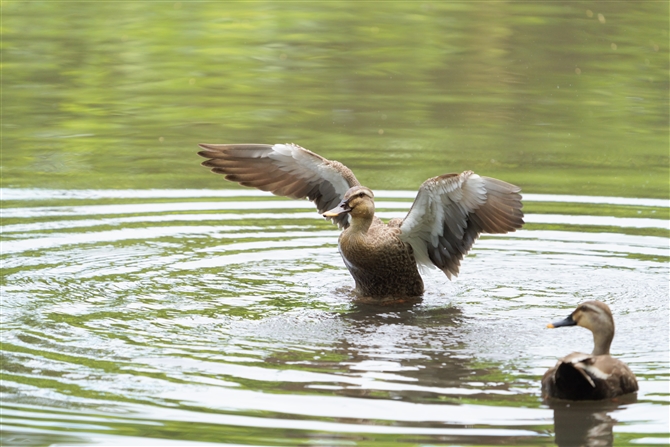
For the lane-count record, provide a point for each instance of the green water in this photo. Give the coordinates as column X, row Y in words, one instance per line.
column 547, row 95
column 144, row 303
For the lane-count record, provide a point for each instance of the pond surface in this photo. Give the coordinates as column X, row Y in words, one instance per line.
column 228, row 316
column 146, row 301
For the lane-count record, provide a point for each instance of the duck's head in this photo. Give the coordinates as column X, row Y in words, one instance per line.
column 358, row 202
column 596, row 317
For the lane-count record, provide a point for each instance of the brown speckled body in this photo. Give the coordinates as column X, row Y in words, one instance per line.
column 610, row 378
column 382, row 265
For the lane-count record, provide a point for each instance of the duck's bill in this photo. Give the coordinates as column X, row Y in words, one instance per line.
column 567, row 322
column 342, row 208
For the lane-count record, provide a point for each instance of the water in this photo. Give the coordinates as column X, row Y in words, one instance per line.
column 146, row 301
column 226, row 316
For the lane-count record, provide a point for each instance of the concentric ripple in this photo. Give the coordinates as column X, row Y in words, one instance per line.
column 160, row 316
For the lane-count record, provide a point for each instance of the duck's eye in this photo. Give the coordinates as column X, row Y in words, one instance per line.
column 361, row 195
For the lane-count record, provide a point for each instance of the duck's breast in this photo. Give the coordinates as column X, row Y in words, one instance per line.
column 380, row 262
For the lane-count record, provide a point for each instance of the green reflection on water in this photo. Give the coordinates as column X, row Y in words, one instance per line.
column 117, row 94
column 551, row 96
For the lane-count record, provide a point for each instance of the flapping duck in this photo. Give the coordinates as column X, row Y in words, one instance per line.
column 594, row 376
column 447, row 216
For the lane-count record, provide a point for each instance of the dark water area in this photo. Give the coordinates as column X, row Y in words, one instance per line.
column 145, row 301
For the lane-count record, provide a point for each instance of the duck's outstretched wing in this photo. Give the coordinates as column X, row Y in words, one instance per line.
column 285, row 170
column 449, row 213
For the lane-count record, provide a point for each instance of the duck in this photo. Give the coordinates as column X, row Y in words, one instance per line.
column 447, row 216
column 595, row 376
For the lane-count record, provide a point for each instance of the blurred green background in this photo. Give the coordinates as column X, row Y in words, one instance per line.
column 557, row 97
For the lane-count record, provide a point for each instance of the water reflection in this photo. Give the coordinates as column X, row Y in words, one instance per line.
column 200, row 313
column 411, row 352
column 586, row 423
column 533, row 93
column 166, row 317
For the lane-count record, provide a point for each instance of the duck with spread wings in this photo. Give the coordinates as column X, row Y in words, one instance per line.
column 447, row 216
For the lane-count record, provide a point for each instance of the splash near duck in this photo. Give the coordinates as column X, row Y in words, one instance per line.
column 449, row 213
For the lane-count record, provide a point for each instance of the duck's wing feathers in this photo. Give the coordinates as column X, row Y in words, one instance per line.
column 627, row 379
column 449, row 213
column 615, row 371
column 587, row 366
column 285, row 170
column 580, row 376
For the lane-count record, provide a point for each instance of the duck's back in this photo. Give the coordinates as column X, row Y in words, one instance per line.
column 382, row 265
column 580, row 376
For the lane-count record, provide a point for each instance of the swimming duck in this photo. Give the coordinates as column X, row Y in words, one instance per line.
column 447, row 216
column 594, row 376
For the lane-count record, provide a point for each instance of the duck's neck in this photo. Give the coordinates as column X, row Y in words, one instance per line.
column 602, row 340
column 360, row 224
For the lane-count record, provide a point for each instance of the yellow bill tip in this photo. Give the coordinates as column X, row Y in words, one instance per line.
column 551, row 326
